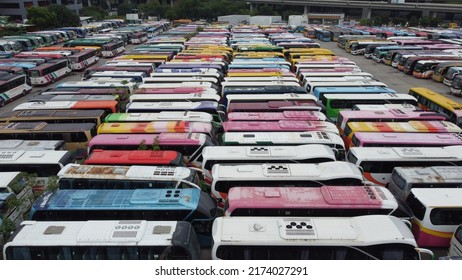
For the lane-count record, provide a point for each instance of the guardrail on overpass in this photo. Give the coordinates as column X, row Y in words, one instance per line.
column 425, row 8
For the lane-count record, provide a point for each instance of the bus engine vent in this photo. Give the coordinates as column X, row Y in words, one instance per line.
column 297, row 228
column 54, row 230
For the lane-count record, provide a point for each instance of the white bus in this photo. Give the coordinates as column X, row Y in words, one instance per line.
column 332, row 140
column 403, row 179
column 180, row 84
column 363, row 83
column 136, row 76
column 42, row 163
column 127, row 85
column 32, row 145
column 182, row 79
column 377, row 163
column 385, row 107
column 236, row 155
column 371, row 237
column 175, row 97
column 437, row 214
column 76, row 176
column 13, row 86
column 212, row 73
column 305, row 75
column 307, row 81
column 335, row 173
column 103, row 240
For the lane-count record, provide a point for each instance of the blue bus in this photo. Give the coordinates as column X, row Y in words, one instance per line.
column 318, row 92
column 191, row 205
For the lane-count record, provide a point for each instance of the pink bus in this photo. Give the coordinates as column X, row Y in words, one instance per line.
column 274, row 106
column 277, row 116
column 190, row 145
column 280, row 126
column 393, row 115
column 324, row 201
column 392, row 139
column 280, row 71
column 155, row 127
column 175, row 90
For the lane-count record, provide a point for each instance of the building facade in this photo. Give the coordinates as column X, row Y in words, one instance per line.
column 16, row 9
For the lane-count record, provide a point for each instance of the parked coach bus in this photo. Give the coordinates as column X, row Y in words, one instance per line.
column 149, row 240
column 372, row 237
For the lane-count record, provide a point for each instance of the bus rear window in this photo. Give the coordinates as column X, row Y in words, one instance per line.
column 34, row 74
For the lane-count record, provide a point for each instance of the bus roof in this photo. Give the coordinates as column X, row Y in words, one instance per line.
column 440, row 197
column 83, row 233
column 31, row 157
column 328, row 231
column 413, row 153
column 313, row 198
column 118, row 199
column 431, row 175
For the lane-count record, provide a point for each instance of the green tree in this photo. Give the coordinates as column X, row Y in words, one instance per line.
column 64, row 16
column 96, row 12
column 150, row 8
column 265, row 10
column 41, row 17
column 6, row 228
column 414, row 21
column 52, row 184
column 143, row 146
column 52, row 16
column 424, row 21
column 125, row 8
column 365, row 22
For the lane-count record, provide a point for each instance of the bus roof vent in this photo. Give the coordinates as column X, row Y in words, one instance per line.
column 54, row 230
column 276, row 170
column 10, row 155
column 297, row 228
column 162, row 230
column 164, row 171
column 259, row 151
column 126, row 229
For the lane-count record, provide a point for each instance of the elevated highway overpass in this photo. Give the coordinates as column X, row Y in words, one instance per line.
column 426, row 9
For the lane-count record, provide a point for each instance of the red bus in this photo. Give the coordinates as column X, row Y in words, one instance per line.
column 135, row 157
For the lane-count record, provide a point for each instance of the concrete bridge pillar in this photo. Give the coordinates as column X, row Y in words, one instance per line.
column 251, row 8
column 306, row 9
column 366, row 12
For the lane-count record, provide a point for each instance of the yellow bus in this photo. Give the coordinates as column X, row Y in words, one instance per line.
column 400, row 127
column 430, row 100
column 145, row 57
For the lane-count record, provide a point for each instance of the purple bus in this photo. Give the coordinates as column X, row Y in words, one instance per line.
column 277, row 116
column 280, row 126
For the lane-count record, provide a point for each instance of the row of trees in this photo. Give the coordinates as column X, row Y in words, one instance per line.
column 413, row 21
column 193, row 9
column 52, row 16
